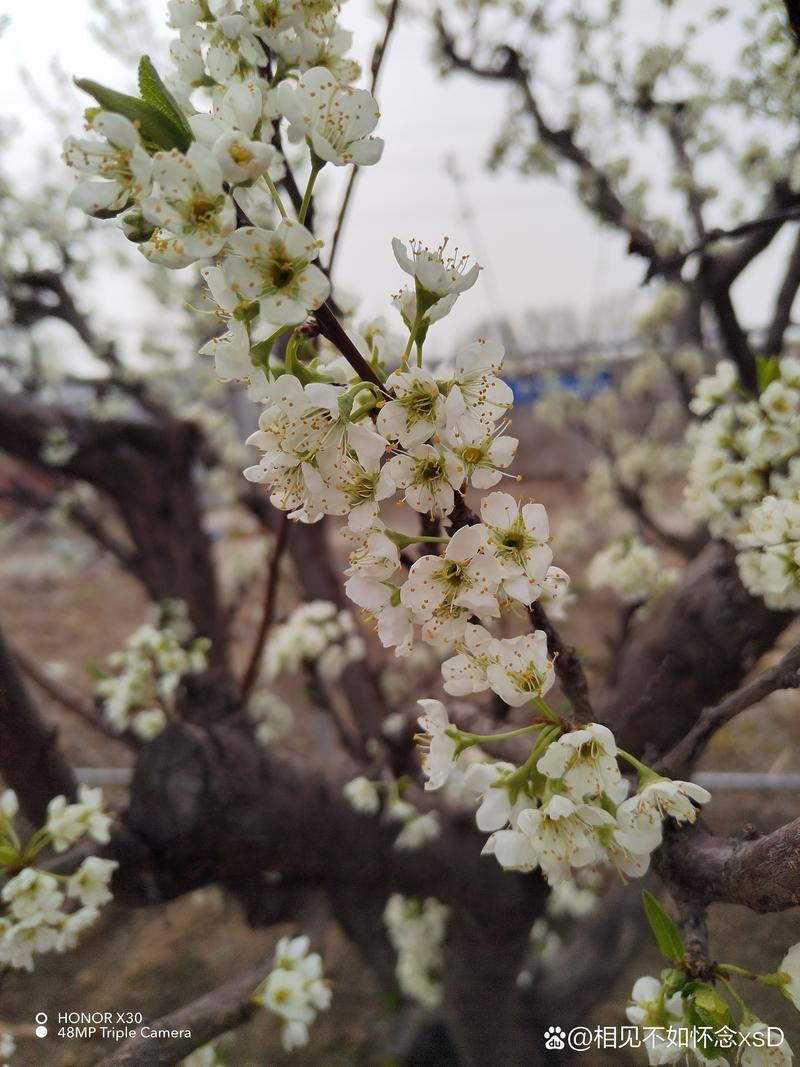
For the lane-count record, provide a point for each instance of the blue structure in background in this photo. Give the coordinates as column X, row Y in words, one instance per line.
column 532, row 387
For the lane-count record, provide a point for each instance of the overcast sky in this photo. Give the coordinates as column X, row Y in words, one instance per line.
column 538, row 246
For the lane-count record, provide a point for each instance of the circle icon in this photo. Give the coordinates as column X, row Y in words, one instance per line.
column 41, row 1031
column 41, row 1017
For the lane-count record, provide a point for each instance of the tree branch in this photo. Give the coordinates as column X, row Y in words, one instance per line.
column 567, row 662
column 761, row 874
column 605, row 200
column 782, row 315
column 270, row 598
column 784, row 675
column 331, row 328
column 71, row 701
column 31, row 761
column 203, row 1019
column 700, row 639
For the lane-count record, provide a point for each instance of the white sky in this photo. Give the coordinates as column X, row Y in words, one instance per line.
column 538, row 246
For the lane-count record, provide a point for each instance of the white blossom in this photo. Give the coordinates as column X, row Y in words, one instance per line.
column 519, row 540
column 522, row 669
column 417, row 931
column 438, row 750
column 188, row 205
column 119, row 161
column 585, row 760
column 90, row 882
column 435, row 273
column 67, row 823
column 276, row 268
column 362, row 796
column 337, row 121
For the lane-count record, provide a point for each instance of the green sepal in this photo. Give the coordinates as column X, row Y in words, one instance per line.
column 664, row 929
column 673, row 979
column 155, row 93
column 707, row 1011
column 768, row 370
column 154, row 127
column 9, row 856
column 246, row 312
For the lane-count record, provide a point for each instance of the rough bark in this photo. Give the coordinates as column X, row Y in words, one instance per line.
column 696, row 647
column 145, row 469
column 31, row 761
column 761, row 874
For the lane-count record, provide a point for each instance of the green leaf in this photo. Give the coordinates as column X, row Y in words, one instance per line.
column 156, row 129
column 155, row 93
column 664, row 929
column 707, row 1011
column 768, row 370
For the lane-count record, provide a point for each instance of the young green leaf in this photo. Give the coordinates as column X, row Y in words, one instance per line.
column 156, row 129
column 664, row 929
column 707, row 1012
column 768, row 370
column 155, row 93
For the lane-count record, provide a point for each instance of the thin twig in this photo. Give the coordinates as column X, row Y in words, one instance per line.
column 569, row 668
column 669, row 264
column 784, row 675
column 71, row 701
column 270, row 599
column 377, row 62
column 331, row 328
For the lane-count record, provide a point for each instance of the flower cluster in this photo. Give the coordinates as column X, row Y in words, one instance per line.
column 632, row 569
column 317, row 635
column 769, row 560
column 484, row 569
column 669, row 1018
column 205, row 1056
column 744, row 478
column 138, row 692
column 41, row 911
column 567, row 807
column 687, row 1010
column 7, row 1047
column 294, row 990
column 417, row 930
column 272, row 716
column 417, row 828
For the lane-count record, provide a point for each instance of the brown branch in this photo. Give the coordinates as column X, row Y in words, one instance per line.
column 31, row 761
column 782, row 315
column 569, row 668
column 63, row 696
column 677, row 136
column 771, row 221
column 331, row 328
column 736, row 341
column 203, row 1019
column 270, row 599
column 377, row 62
column 26, row 496
column 27, row 293
column 700, row 640
column 761, row 874
column 605, row 200
column 687, row 546
column 146, row 470
column 784, row 675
